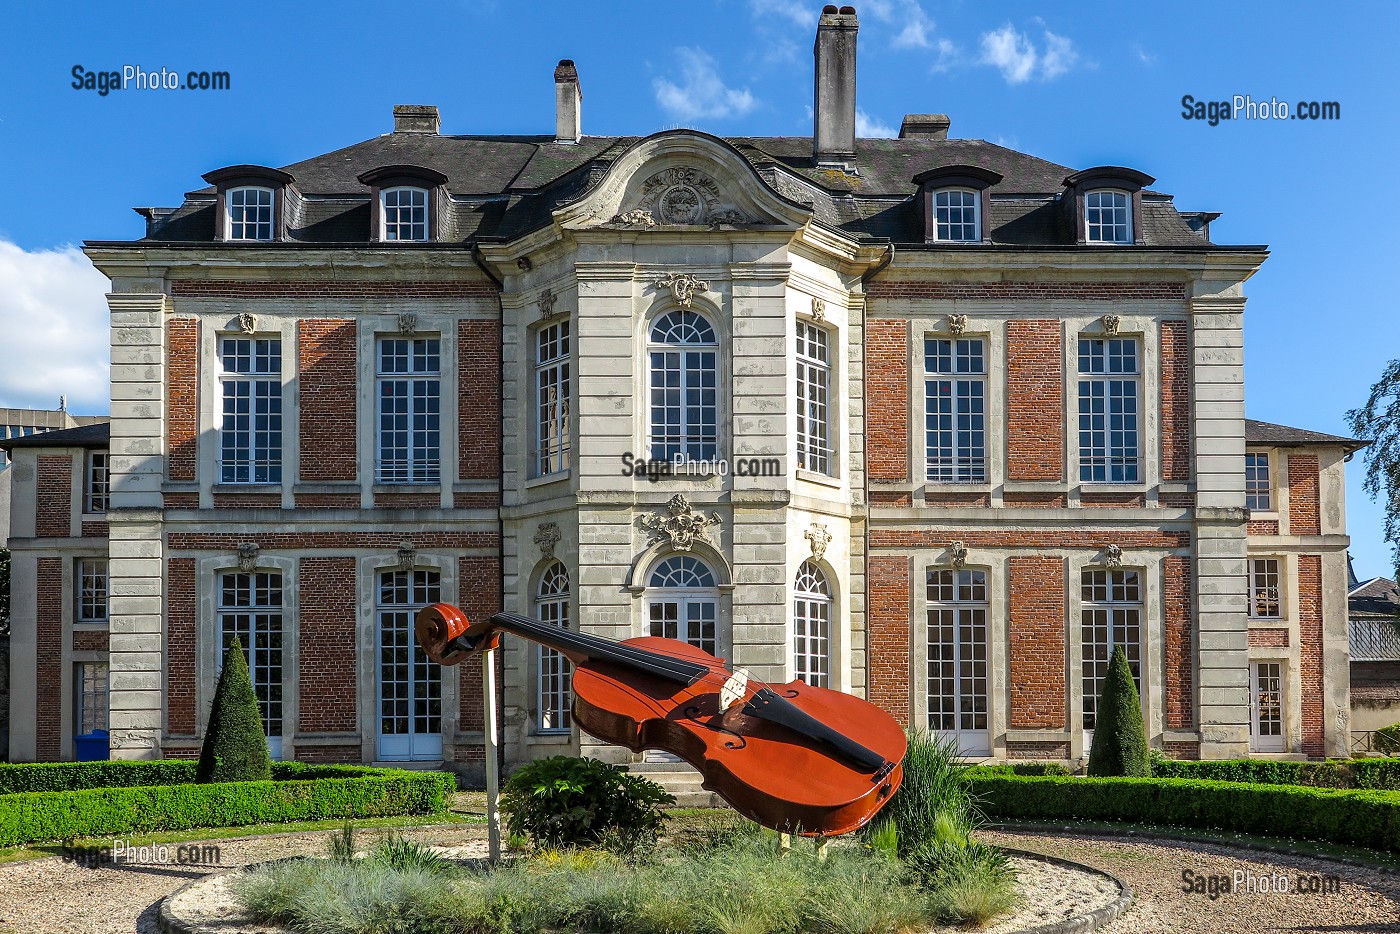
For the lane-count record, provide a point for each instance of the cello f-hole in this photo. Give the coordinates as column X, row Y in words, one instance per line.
column 692, row 713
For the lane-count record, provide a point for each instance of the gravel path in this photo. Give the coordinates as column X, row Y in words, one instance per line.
column 1365, row 900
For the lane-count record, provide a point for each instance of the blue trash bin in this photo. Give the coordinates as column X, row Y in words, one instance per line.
column 92, row 747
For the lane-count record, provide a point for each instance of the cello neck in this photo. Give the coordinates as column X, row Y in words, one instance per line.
column 578, row 646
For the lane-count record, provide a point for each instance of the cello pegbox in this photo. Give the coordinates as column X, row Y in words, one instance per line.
column 449, row 637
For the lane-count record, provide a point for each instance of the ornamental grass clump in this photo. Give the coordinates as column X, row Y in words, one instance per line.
column 1120, row 739
column 235, row 747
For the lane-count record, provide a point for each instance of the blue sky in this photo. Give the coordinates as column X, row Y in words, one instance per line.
column 1077, row 83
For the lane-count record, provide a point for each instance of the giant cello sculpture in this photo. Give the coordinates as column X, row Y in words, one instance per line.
column 793, row 757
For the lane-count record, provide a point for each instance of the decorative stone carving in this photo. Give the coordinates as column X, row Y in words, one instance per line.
column 957, row 554
column 729, row 218
column 1111, row 323
column 635, row 218
column 546, row 303
column 819, row 308
column 683, row 286
column 248, row 557
column 407, row 556
column 408, row 323
column 247, row 323
column 547, row 537
column 680, row 526
column 820, row 537
column 524, row 264
column 1112, row 556
column 957, row 324
column 680, row 196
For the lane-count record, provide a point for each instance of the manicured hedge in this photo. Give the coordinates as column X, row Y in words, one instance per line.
column 1375, row 774
column 1363, row 818
column 73, row 776
column 55, row 815
column 1019, row 768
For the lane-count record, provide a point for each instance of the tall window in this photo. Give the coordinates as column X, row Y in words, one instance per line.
column 90, row 681
column 553, row 696
column 250, row 609
column 813, row 393
column 1110, row 448
column 1111, row 616
column 552, row 399
column 250, row 436
column 684, row 602
column 1258, row 484
column 1264, row 600
column 1108, row 217
column 957, row 656
column 249, row 213
column 811, row 626
column 410, row 684
column 97, row 489
column 955, row 214
column 1266, row 688
column 405, row 213
column 92, row 590
column 684, row 387
column 409, row 409
column 955, row 413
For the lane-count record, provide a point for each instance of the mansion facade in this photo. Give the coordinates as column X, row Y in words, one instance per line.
column 923, row 419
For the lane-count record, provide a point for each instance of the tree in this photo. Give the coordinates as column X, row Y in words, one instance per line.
column 1120, row 740
column 1378, row 421
column 4, row 590
column 235, row 748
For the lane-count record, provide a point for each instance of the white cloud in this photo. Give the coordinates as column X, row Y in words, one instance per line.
column 908, row 17
column 1144, row 56
column 1019, row 59
column 868, row 127
column 53, row 327
column 701, row 93
column 803, row 14
column 948, row 55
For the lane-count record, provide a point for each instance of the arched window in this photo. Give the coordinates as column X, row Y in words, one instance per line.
column 249, row 212
column 1108, row 216
column 683, row 602
column 404, row 213
column 811, row 626
column 553, row 688
column 955, row 213
column 684, row 389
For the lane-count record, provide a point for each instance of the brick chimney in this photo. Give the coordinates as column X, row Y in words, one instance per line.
column 930, row 126
column 568, row 103
column 416, row 118
column 834, row 91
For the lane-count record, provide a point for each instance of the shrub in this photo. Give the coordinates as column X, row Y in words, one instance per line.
column 932, row 790
column 75, row 776
column 1376, row 774
column 565, row 801
column 235, row 747
column 1120, row 740
column 1387, row 739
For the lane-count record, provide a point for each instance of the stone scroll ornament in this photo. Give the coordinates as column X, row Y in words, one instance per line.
column 248, row 557
column 820, row 537
column 547, row 537
column 683, row 286
column 546, row 303
column 1112, row 556
column 407, row 556
column 680, row 526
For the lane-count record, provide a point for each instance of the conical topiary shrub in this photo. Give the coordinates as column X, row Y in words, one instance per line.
column 1120, row 740
column 235, row 749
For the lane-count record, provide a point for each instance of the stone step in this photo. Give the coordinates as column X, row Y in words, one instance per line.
column 680, row 780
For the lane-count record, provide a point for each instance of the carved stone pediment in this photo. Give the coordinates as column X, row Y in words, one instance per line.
column 681, row 196
column 680, row 526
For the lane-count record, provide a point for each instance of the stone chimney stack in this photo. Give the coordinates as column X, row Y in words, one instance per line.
column 834, row 97
column 416, row 118
column 568, row 103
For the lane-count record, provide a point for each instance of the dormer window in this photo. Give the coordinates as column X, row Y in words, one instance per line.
column 404, row 213
column 252, row 202
column 1108, row 216
column 956, row 215
column 1103, row 205
column 249, row 213
column 955, row 201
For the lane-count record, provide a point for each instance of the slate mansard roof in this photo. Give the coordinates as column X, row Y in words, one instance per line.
column 502, row 187
column 84, row 436
column 1282, row 436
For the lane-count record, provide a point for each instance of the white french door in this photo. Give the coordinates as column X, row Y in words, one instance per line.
column 409, row 684
column 956, row 660
column 1266, row 706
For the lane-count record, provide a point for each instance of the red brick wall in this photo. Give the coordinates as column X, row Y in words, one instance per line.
column 326, row 288
column 180, row 647
column 1035, row 427
column 90, row 641
column 182, row 397
column 1036, row 500
column 1028, row 538
column 1176, row 401
column 888, row 657
column 479, row 594
column 1262, row 527
column 326, row 354
column 330, row 755
column 1113, row 500
column 53, row 494
column 229, row 541
column 479, row 399
column 887, row 399
column 1037, row 750
column 1269, row 638
column 1026, row 291
column 1310, row 646
column 1302, row 495
column 49, row 659
column 326, row 670
column 1037, row 625
column 1176, row 594
column 1190, row 751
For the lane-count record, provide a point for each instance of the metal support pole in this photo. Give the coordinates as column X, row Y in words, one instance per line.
column 821, row 848
column 493, row 773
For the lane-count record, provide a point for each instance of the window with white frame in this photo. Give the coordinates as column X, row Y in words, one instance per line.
column 955, row 409
column 813, row 398
column 1110, row 616
column 956, row 213
column 1265, row 601
column 410, row 683
column 409, row 412
column 90, row 713
column 811, row 626
column 684, row 371
column 250, row 610
column 553, row 694
column 1108, row 216
column 249, row 213
column 404, row 213
column 1258, row 483
column 250, row 431
column 1110, row 447
column 98, row 484
column 553, row 389
column 956, row 675
column 91, row 578
column 683, row 602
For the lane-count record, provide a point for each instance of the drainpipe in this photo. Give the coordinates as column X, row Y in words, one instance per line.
column 865, row 278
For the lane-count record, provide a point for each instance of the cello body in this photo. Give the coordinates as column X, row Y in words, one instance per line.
column 792, row 757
